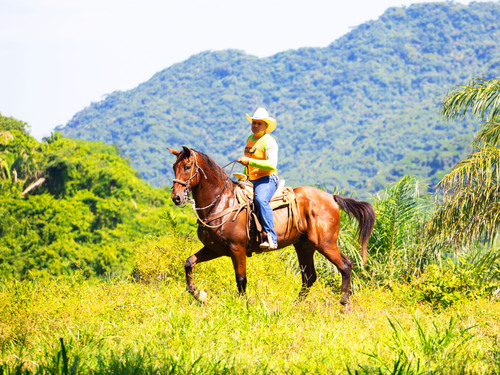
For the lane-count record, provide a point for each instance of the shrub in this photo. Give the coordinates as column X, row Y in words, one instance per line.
column 444, row 285
column 162, row 258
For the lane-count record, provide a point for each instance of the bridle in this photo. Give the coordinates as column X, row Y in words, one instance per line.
column 187, row 183
column 187, row 190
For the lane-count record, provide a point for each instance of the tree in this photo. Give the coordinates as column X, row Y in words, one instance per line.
column 468, row 198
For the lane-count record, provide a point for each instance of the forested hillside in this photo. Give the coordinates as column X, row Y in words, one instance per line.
column 71, row 205
column 358, row 114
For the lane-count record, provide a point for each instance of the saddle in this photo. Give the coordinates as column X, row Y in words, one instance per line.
column 284, row 197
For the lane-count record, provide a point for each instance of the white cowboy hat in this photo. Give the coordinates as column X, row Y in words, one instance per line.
column 261, row 114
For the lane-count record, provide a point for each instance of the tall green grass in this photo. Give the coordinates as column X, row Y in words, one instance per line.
column 75, row 325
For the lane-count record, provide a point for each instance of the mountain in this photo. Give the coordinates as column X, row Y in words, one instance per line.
column 358, row 114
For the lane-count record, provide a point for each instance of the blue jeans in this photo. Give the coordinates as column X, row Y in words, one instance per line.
column 264, row 189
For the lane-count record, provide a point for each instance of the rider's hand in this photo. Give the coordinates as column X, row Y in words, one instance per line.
column 243, row 160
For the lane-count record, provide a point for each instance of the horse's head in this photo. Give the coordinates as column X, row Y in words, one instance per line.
column 187, row 174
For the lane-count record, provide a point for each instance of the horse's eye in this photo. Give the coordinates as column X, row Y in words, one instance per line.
column 187, row 167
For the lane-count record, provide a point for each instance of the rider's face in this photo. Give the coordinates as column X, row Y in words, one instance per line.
column 258, row 126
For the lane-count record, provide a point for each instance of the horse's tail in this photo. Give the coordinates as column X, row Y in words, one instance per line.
column 364, row 213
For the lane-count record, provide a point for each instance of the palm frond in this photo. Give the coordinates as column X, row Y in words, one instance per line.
column 468, row 199
column 481, row 97
column 489, row 134
column 400, row 217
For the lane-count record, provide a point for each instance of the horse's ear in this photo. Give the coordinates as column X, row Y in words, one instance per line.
column 174, row 152
column 187, row 151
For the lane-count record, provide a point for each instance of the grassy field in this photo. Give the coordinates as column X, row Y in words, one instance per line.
column 125, row 325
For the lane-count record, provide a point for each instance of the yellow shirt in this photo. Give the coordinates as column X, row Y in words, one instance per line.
column 263, row 154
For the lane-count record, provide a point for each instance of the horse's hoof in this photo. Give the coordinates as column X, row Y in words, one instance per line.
column 201, row 296
column 344, row 299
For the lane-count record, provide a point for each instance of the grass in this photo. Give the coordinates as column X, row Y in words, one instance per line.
column 117, row 325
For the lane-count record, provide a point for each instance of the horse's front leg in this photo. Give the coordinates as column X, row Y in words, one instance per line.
column 239, row 258
column 201, row 256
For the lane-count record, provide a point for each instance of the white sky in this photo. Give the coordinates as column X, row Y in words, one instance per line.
column 58, row 56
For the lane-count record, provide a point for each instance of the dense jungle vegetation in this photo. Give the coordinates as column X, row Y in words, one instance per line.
column 71, row 205
column 358, row 114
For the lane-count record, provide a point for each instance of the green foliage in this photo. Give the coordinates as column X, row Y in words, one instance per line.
column 467, row 206
column 72, row 205
column 479, row 97
column 477, row 274
column 358, row 114
column 158, row 259
column 396, row 244
column 437, row 350
column 468, row 197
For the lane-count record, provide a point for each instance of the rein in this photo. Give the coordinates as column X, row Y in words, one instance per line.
column 187, row 193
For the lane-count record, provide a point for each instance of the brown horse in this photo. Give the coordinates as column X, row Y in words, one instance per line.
column 213, row 193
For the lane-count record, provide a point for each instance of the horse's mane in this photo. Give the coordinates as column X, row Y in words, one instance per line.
column 216, row 169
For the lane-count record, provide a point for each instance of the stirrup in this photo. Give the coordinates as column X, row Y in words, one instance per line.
column 269, row 244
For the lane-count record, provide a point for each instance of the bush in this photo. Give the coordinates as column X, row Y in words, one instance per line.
column 444, row 285
column 162, row 258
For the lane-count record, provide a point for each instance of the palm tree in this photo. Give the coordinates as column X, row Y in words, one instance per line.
column 401, row 213
column 468, row 198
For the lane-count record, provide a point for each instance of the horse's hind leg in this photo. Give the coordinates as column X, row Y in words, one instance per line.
column 201, row 256
column 343, row 264
column 305, row 252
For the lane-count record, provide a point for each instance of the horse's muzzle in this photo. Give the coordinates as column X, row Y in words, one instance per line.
column 177, row 199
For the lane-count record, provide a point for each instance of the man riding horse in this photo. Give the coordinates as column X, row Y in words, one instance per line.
column 222, row 220
column 261, row 160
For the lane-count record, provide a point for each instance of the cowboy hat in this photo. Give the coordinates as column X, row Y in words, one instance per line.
column 261, row 114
